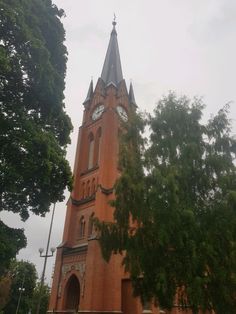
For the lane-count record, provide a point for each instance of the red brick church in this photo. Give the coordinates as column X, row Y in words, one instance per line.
column 83, row 282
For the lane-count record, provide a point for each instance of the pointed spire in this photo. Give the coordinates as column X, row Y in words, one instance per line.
column 112, row 72
column 131, row 95
column 90, row 92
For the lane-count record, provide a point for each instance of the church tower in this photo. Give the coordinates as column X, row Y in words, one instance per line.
column 83, row 282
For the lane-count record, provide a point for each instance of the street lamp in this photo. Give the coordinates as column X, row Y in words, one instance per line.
column 41, row 250
column 21, row 289
column 46, row 255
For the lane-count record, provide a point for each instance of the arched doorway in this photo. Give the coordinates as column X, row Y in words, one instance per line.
column 72, row 294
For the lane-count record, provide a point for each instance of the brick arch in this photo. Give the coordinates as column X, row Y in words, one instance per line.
column 91, row 136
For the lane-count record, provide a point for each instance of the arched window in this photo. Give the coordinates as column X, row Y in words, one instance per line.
column 90, row 228
column 90, row 151
column 119, row 140
column 82, row 227
column 97, row 147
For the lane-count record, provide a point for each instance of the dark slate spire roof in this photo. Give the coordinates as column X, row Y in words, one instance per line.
column 112, row 72
column 131, row 95
column 90, row 92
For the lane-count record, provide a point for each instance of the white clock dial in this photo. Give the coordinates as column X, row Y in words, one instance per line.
column 97, row 112
column 122, row 113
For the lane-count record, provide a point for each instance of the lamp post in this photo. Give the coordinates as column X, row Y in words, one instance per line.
column 21, row 289
column 46, row 255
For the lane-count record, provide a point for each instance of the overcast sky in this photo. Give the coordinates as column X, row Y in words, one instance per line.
column 188, row 46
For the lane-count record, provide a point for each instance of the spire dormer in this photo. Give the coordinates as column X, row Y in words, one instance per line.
column 131, row 95
column 89, row 94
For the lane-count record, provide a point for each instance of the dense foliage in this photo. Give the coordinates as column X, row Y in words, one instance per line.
column 23, row 277
column 45, row 294
column 175, row 208
column 19, row 289
column 5, row 286
column 34, row 128
column 11, row 241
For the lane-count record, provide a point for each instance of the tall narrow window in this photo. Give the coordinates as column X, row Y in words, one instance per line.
column 119, row 148
column 91, row 151
column 93, row 186
column 83, row 190
column 82, row 227
column 90, row 228
column 88, row 189
column 97, row 147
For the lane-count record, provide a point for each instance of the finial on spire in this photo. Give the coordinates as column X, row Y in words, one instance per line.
column 114, row 21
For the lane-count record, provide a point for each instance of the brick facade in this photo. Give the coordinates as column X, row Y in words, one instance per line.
column 101, row 285
column 83, row 282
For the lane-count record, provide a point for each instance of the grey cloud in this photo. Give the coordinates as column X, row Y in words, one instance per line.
column 85, row 33
column 221, row 26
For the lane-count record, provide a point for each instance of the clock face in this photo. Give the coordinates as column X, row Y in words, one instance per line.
column 122, row 113
column 98, row 112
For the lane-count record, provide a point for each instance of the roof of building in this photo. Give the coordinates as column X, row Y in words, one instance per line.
column 112, row 71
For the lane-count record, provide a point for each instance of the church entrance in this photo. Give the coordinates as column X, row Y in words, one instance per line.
column 72, row 295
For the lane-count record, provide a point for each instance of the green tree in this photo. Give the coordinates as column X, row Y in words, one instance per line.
column 24, row 277
column 11, row 241
column 5, row 286
column 44, row 299
column 175, row 208
column 34, row 128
